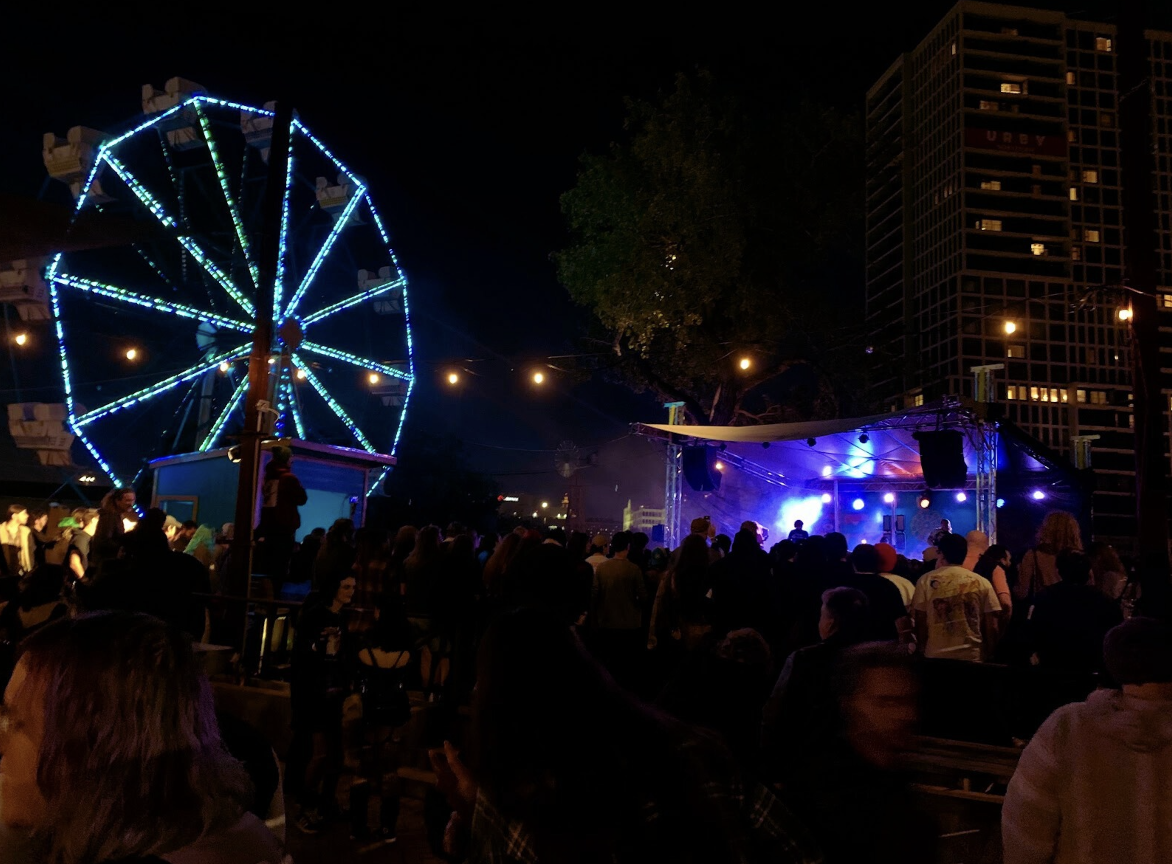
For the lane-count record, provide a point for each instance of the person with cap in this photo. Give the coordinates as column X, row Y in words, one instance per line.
column 887, row 562
column 701, row 527
column 597, row 550
column 282, row 493
column 1092, row 785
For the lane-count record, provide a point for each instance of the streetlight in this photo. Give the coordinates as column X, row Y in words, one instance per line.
column 373, row 378
column 453, row 378
column 745, row 364
column 300, row 374
column 131, row 353
column 21, row 339
column 719, row 466
column 544, row 505
column 538, row 377
column 1010, row 328
column 1124, row 314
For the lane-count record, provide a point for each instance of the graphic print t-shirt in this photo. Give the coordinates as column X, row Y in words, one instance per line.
column 955, row 600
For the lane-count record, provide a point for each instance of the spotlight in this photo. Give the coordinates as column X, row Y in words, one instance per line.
column 858, row 504
column 131, row 353
column 826, row 498
column 925, row 502
column 1124, row 314
column 810, row 442
column 719, row 466
column 1010, row 328
column 961, row 497
column 827, row 470
column 864, row 438
column 1038, row 495
column 544, row 505
column 889, row 498
column 1000, row 503
column 20, row 339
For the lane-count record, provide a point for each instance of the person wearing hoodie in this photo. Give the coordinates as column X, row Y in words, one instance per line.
column 282, row 494
column 1092, row 785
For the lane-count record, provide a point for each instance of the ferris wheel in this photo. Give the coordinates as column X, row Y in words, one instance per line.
column 154, row 337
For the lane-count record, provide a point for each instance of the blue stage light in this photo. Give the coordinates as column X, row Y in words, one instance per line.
column 858, row 504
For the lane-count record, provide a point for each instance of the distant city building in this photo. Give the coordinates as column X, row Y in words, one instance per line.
column 993, row 207
column 641, row 518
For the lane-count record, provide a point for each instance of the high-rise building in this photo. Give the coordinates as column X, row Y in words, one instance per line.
column 995, row 230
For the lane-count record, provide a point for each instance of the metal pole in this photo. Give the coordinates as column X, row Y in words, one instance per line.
column 672, row 493
column 1138, row 165
column 258, row 361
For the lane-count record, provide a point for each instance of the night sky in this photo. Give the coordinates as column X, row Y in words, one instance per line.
column 468, row 126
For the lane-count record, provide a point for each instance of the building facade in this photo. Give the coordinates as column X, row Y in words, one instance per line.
column 641, row 518
column 995, row 230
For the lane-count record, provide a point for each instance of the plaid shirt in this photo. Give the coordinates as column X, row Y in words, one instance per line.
column 769, row 829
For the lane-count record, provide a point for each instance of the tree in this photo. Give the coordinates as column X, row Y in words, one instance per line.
column 715, row 233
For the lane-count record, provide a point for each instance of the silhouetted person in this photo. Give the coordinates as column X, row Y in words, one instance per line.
column 1070, row 618
column 282, row 494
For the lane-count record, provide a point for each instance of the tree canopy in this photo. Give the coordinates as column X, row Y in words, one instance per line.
column 715, row 232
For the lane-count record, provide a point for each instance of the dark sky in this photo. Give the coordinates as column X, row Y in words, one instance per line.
column 468, row 126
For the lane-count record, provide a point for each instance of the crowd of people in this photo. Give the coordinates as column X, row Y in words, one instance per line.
column 719, row 701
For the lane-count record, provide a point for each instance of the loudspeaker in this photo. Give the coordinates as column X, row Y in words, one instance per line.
column 699, row 465
column 942, row 459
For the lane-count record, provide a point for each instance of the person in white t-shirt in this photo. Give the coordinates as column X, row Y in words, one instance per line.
column 597, row 550
column 956, row 609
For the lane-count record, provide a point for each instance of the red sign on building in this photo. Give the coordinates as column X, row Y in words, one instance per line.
column 1026, row 143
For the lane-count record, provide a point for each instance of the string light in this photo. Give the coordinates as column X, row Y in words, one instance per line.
column 354, row 300
column 131, row 353
column 296, row 408
column 538, row 377
column 453, row 378
column 225, row 366
column 222, row 175
column 335, row 407
column 20, row 339
column 1124, row 314
column 161, row 387
column 115, row 293
column 300, row 127
column 745, row 363
column 282, row 251
column 300, row 374
column 355, row 360
column 323, row 252
column 373, row 378
column 233, row 403
column 1010, row 328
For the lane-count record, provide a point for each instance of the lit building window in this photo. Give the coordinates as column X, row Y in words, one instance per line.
column 917, row 400
column 1036, row 170
column 1080, row 395
column 1014, row 87
column 1091, row 235
column 1038, row 248
column 1107, row 118
column 1166, row 300
column 1098, row 397
column 1034, row 394
column 1053, row 394
column 987, row 105
column 989, row 224
column 1073, row 193
column 1075, row 253
column 992, row 185
column 1102, row 43
column 1011, row 392
column 1090, row 175
column 1015, row 352
column 953, row 49
column 1065, row 395
column 1069, row 77
column 1071, row 136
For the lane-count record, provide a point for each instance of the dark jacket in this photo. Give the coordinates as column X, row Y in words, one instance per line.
column 282, row 493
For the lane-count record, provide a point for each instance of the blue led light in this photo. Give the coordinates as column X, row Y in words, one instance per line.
column 300, row 127
column 858, row 504
column 282, row 254
column 354, row 300
column 334, row 406
column 218, row 427
column 296, row 407
column 222, row 176
column 152, row 204
column 146, row 124
column 227, row 103
column 355, row 360
column 136, row 299
column 106, row 469
column 161, row 387
column 323, row 252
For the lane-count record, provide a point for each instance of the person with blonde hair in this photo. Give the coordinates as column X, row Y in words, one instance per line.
column 111, row 751
column 1039, row 566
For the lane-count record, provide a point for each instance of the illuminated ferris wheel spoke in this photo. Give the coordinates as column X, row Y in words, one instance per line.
column 300, row 127
column 295, row 407
column 193, row 248
column 218, row 427
column 89, row 445
column 113, row 292
column 225, row 187
column 324, row 250
column 354, row 300
column 334, row 406
column 355, row 360
column 162, row 386
column 282, row 253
